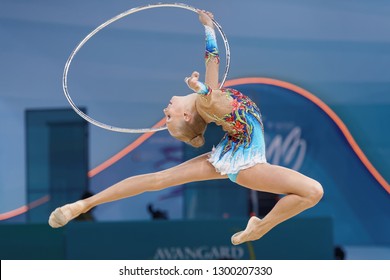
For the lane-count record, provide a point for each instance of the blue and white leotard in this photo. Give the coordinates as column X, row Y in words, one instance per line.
column 243, row 145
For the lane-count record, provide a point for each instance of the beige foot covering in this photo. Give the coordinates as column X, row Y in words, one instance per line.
column 62, row 215
column 249, row 234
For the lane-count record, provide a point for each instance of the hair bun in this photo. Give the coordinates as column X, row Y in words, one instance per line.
column 197, row 141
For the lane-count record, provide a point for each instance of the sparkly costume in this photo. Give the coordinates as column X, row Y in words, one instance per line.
column 243, row 145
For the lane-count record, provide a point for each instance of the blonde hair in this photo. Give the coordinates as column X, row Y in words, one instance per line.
column 191, row 132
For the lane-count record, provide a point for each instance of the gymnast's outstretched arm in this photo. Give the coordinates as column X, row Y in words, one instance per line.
column 211, row 52
column 211, row 58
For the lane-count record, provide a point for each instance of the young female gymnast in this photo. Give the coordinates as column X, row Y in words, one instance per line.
column 240, row 156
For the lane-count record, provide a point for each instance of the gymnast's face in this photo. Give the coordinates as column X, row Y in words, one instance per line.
column 175, row 113
column 179, row 114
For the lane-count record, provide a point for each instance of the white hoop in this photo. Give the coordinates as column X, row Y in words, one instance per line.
column 108, row 22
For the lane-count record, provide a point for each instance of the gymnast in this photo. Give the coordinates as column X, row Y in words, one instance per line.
column 240, row 155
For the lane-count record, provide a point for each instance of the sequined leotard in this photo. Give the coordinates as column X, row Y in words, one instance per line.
column 243, row 145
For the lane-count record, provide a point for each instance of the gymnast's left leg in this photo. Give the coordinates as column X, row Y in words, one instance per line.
column 196, row 169
column 301, row 193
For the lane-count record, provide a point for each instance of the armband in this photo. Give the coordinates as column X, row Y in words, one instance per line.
column 211, row 45
column 202, row 88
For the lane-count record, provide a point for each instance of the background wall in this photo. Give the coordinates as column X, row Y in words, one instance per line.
column 124, row 76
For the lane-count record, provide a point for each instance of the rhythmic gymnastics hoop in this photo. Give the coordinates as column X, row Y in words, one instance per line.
column 105, row 24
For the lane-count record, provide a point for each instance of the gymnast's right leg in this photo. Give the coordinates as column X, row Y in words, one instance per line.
column 196, row 169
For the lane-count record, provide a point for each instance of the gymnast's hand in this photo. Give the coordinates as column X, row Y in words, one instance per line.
column 206, row 18
column 192, row 81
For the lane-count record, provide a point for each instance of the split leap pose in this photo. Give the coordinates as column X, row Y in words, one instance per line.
column 240, row 156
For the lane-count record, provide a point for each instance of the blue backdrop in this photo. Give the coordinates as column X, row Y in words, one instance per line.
column 338, row 50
